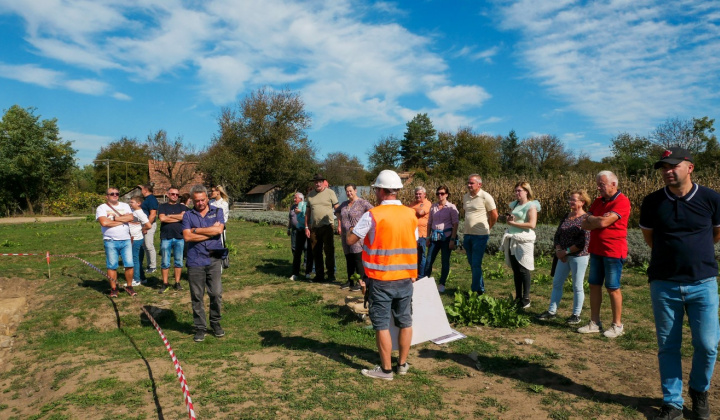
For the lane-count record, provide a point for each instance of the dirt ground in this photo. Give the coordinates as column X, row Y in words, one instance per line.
column 585, row 375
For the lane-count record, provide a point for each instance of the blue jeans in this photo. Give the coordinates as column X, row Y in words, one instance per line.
column 576, row 266
column 605, row 270
column 176, row 247
column 139, row 273
column 670, row 301
column 422, row 251
column 475, row 250
column 435, row 247
column 115, row 250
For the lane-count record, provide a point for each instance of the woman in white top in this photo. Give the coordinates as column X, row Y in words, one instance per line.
column 220, row 200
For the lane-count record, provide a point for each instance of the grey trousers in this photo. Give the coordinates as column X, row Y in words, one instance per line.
column 201, row 278
column 149, row 246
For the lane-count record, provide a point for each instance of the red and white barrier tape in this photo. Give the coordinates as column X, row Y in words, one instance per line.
column 176, row 363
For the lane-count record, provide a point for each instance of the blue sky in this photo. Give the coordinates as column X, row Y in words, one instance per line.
column 581, row 70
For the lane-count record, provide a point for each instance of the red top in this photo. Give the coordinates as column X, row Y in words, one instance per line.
column 612, row 240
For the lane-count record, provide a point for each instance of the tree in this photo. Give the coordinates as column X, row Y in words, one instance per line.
column 262, row 141
column 703, row 129
column 546, row 153
column 35, row 163
column 83, row 179
column 466, row 152
column 341, row 169
column 418, row 146
column 510, row 159
column 385, row 154
column 127, row 159
column 174, row 156
column 631, row 154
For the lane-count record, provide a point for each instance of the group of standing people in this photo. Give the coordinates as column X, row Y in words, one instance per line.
column 128, row 230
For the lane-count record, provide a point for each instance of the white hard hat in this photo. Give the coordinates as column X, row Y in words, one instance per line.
column 388, row 179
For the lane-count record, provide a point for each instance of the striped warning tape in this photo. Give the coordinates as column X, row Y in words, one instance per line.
column 176, row 363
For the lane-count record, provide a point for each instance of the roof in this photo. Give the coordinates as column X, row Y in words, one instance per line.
column 262, row 189
column 161, row 183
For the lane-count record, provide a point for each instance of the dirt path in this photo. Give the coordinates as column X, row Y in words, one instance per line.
column 39, row 219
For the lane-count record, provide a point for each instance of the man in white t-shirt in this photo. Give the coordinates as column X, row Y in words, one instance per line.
column 114, row 217
column 480, row 216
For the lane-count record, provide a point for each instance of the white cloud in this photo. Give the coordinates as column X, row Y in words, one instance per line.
column 458, row 97
column 346, row 66
column 626, row 65
column 29, row 73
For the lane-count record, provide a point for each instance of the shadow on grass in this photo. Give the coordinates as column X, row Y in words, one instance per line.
column 514, row 367
column 275, row 266
column 340, row 353
column 166, row 319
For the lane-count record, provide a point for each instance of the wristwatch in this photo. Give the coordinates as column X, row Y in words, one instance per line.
column 194, row 230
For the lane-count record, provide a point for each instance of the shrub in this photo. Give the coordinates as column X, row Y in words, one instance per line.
column 486, row 310
column 268, row 217
column 77, row 202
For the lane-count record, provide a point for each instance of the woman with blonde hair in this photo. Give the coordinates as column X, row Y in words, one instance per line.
column 571, row 256
column 220, row 200
column 518, row 242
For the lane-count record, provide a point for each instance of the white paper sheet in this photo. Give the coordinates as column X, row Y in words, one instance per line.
column 429, row 319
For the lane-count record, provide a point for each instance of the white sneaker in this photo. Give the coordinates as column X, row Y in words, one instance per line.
column 293, row 277
column 441, row 288
column 590, row 328
column 134, row 284
column 614, row 331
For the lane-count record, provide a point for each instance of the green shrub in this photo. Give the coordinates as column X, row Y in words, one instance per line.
column 270, row 217
column 486, row 310
column 77, row 202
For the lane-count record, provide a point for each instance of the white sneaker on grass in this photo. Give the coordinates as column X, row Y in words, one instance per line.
column 403, row 369
column 614, row 331
column 590, row 328
column 377, row 373
column 441, row 288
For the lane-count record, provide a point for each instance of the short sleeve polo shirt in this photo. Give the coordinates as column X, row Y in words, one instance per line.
column 683, row 247
column 610, row 241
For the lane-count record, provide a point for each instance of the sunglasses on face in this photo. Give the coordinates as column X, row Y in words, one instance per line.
column 114, row 194
column 440, row 193
column 172, row 193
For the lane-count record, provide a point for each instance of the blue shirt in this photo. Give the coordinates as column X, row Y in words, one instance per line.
column 683, row 247
column 150, row 203
column 199, row 252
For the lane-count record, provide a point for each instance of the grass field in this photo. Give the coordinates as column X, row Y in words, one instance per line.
column 293, row 351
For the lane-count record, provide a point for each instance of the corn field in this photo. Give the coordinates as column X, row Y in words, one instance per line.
column 552, row 192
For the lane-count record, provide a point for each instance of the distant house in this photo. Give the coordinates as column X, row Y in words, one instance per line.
column 269, row 195
column 406, row 177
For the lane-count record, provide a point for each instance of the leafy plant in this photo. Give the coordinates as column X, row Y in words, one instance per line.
column 542, row 279
column 486, row 310
column 271, row 245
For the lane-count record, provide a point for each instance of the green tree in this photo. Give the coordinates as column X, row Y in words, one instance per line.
column 710, row 156
column 341, row 168
column 127, row 160
column 546, row 154
column 173, row 154
column 35, row 163
column 83, row 179
column 385, row 154
column 262, row 140
column 466, row 152
column 632, row 154
column 510, row 159
column 419, row 144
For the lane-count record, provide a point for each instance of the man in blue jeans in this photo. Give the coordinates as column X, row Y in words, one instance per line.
column 114, row 217
column 480, row 216
column 681, row 223
column 171, row 237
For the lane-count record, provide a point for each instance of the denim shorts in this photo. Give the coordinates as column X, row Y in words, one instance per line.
column 115, row 249
column 386, row 297
column 171, row 248
column 607, row 270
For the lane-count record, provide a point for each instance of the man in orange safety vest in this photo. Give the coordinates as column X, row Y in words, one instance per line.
column 389, row 233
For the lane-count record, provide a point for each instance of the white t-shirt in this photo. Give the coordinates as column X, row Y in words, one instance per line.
column 139, row 219
column 222, row 204
column 116, row 233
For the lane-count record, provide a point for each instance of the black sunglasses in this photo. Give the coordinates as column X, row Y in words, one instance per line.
column 118, row 194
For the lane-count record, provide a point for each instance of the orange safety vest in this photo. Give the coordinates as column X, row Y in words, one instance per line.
column 392, row 255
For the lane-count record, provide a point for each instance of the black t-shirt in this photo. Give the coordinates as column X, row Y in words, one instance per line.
column 683, row 247
column 171, row 230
